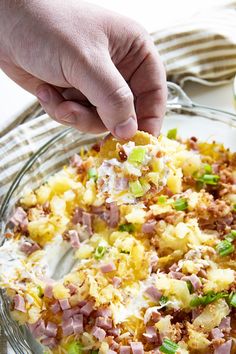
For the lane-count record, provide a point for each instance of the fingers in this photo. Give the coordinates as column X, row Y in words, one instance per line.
column 107, row 90
column 69, row 113
column 148, row 84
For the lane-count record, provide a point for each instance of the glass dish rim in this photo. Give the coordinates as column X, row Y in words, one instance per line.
column 22, row 347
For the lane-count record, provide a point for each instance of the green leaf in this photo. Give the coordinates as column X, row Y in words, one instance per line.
column 169, row 347
column 232, row 300
column 137, row 154
column 127, row 227
column 92, row 173
column 224, row 248
column 100, row 251
column 75, row 348
column 163, row 300
column 162, row 199
column 207, row 299
column 190, row 286
column 209, row 179
column 180, row 204
column 136, row 188
column 172, row 134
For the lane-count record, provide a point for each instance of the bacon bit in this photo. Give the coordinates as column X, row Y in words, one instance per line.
column 8, row 235
column 121, row 153
column 46, row 207
column 96, row 147
column 159, row 154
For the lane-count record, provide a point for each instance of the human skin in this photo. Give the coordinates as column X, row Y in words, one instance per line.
column 90, row 68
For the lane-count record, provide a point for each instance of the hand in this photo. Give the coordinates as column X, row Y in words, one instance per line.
column 90, row 68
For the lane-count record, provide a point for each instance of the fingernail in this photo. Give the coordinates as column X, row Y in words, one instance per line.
column 43, row 95
column 126, row 129
column 68, row 118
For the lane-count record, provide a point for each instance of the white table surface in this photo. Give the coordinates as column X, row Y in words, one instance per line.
column 153, row 14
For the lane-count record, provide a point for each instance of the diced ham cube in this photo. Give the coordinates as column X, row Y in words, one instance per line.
column 153, row 293
column 116, row 281
column 77, row 216
column 49, row 342
column 48, row 291
column 104, row 312
column 115, row 332
column 55, row 308
column 70, row 313
column 224, row 348
column 73, row 289
column 121, row 184
column 51, row 329
column 195, row 281
column 19, row 217
column 176, row 275
column 137, row 347
column 105, row 323
column 74, row 238
column 78, row 324
column 151, row 334
column 114, row 215
column 28, row 248
column 149, row 227
column 98, row 333
column 87, row 309
column 124, row 349
column 19, row 303
column 225, row 324
column 87, row 222
column 67, row 327
column 64, row 303
column 109, row 267
column 38, row 328
column 216, row 333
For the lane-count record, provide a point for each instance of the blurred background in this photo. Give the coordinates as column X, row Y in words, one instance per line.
column 154, row 15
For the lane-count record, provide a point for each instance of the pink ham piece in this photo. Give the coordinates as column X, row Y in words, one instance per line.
column 137, row 347
column 225, row 324
column 87, row 222
column 151, row 335
column 115, row 332
column 73, row 289
column 109, row 267
column 114, row 215
column 64, row 303
column 19, row 218
column 116, row 281
column 74, row 239
column 124, row 349
column 97, row 209
column 176, row 275
column 149, row 227
column 76, row 161
column 98, row 333
column 114, row 345
column 55, row 308
column 111, row 352
column 19, row 303
column 87, row 309
column 51, row 329
column 224, row 348
column 153, row 293
column 121, row 184
column 37, row 329
column 70, row 313
column 77, row 216
column 103, row 312
column 48, row 291
column 216, row 333
column 195, row 281
column 105, row 323
column 28, row 248
column 49, row 342
column 68, row 327
column 78, row 324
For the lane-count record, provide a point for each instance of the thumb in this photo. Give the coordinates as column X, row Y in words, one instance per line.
column 108, row 91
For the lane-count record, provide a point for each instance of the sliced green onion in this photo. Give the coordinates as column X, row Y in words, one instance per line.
column 232, row 300
column 168, row 347
column 224, row 248
column 162, row 199
column 208, row 168
column 163, row 300
column 92, row 173
column 209, row 179
column 100, row 251
column 75, row 348
column 231, row 236
column 127, row 227
column 172, row 134
column 137, row 154
column 136, row 188
column 180, row 204
column 190, row 286
column 207, row 299
column 40, row 291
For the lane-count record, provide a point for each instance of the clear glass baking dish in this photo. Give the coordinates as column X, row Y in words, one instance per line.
column 190, row 119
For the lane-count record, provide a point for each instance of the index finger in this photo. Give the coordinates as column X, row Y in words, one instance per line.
column 148, row 83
